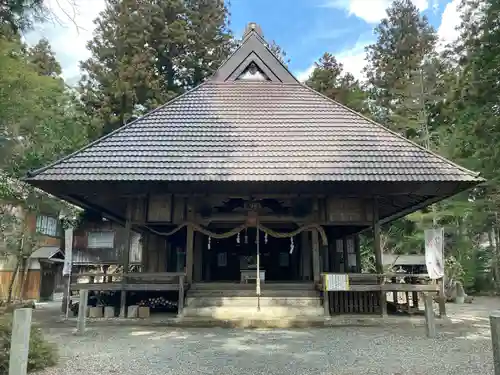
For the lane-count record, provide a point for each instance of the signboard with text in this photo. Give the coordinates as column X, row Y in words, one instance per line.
column 336, row 282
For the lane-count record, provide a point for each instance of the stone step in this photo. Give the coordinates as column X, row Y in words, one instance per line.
column 255, row 322
column 242, row 286
column 266, row 312
column 251, row 293
column 208, row 301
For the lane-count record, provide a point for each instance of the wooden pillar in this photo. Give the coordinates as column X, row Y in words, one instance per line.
column 145, row 251
column 357, row 249
column 125, row 260
column 378, row 253
column 315, row 256
column 305, row 248
column 180, row 302
column 189, row 254
column 442, row 298
column 346, row 254
column 198, row 256
column 189, row 242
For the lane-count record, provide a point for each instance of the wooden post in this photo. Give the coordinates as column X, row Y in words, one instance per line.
column 326, row 299
column 20, row 342
column 442, row 299
column 145, row 251
column 82, row 311
column 378, row 254
column 315, row 254
column 357, row 249
column 180, row 303
column 126, row 259
column 189, row 254
column 346, row 255
column 495, row 339
column 430, row 324
column 305, row 248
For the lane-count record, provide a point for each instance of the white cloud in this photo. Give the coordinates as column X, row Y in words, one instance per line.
column 303, row 75
column 69, row 32
column 449, row 21
column 353, row 60
column 372, row 11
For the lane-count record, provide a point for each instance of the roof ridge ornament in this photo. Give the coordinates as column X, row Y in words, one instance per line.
column 253, row 26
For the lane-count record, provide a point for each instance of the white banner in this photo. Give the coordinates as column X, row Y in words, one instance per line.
column 68, row 251
column 434, row 248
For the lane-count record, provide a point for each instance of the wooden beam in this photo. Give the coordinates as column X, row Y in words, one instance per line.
column 126, row 259
column 127, row 287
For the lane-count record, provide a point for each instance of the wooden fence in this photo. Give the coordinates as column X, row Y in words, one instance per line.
column 135, row 281
column 367, row 293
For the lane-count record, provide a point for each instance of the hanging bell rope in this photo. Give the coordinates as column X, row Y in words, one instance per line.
column 237, row 230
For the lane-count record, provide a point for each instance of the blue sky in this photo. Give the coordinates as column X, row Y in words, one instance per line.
column 304, row 28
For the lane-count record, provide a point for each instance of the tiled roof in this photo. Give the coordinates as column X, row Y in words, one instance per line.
column 253, row 131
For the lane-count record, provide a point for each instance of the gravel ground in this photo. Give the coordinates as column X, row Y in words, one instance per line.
column 340, row 351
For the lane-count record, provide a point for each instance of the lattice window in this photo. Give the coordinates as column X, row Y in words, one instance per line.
column 101, row 240
column 46, row 225
column 253, row 73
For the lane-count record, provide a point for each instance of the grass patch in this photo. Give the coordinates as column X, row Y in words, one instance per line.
column 42, row 354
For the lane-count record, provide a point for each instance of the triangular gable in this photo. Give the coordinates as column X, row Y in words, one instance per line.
column 253, row 50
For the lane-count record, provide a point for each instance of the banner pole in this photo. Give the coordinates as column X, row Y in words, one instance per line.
column 258, row 265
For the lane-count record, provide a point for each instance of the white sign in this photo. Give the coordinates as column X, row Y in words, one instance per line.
column 68, row 251
column 336, row 282
column 434, row 257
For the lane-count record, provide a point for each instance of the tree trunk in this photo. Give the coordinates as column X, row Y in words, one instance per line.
column 25, row 277
column 12, row 280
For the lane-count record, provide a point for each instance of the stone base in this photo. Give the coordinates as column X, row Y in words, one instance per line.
column 132, row 311
column 95, row 312
column 109, row 312
column 143, row 312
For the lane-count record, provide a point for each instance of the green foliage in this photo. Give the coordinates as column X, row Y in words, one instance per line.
column 329, row 78
column 449, row 104
column 42, row 354
column 405, row 40
column 43, row 59
column 145, row 53
column 19, row 15
column 41, row 120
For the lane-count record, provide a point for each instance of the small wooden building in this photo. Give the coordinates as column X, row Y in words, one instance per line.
column 253, row 169
column 42, row 278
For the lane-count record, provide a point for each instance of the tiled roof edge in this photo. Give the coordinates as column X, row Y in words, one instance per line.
column 468, row 171
column 36, row 172
column 263, row 41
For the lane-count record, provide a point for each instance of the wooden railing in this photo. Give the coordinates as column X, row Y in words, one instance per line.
column 367, row 293
column 135, row 281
